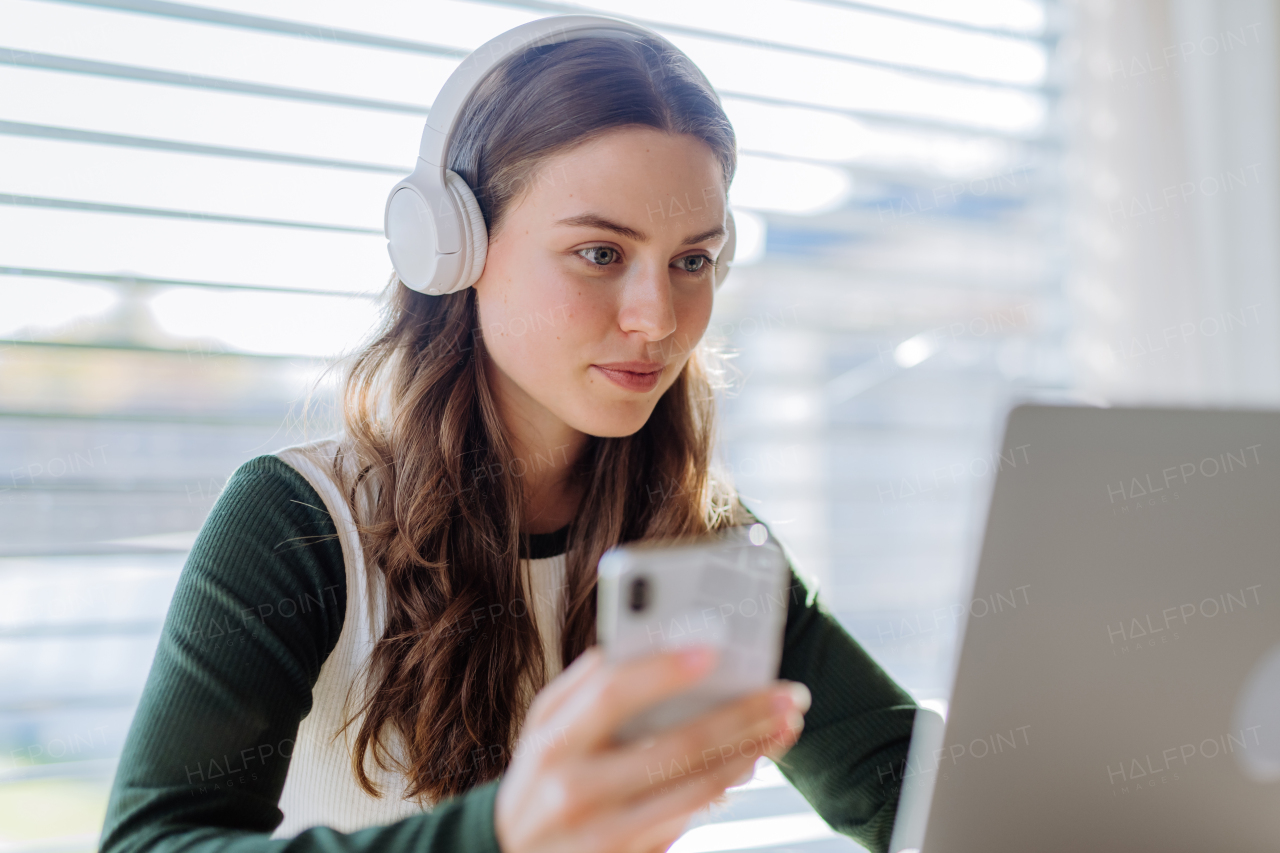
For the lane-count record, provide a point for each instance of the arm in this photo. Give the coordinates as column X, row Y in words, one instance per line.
column 847, row 762
column 207, row 753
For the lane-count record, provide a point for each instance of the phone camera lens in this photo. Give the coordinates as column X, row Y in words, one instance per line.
column 639, row 598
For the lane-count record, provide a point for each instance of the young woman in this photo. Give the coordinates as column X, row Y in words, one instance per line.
column 365, row 648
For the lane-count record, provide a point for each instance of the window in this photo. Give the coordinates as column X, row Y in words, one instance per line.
column 191, row 200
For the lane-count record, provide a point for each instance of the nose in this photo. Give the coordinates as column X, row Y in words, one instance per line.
column 647, row 304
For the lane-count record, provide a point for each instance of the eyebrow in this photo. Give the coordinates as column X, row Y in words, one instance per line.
column 595, row 220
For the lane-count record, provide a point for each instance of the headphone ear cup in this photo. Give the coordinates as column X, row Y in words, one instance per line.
column 725, row 258
column 475, row 237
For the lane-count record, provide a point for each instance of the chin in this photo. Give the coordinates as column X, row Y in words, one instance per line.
column 613, row 424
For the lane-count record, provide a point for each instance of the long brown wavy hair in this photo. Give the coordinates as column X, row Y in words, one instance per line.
column 423, row 434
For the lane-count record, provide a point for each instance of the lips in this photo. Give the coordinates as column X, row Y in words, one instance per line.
column 631, row 366
column 632, row 375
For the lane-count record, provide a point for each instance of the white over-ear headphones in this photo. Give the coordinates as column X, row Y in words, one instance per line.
column 435, row 232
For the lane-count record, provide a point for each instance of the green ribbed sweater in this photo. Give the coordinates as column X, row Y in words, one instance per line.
column 227, row 691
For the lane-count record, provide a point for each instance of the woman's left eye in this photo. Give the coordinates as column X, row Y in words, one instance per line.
column 702, row 262
column 610, row 255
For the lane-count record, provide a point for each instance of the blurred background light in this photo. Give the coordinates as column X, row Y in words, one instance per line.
column 912, row 351
column 40, row 307
column 788, row 187
column 271, row 323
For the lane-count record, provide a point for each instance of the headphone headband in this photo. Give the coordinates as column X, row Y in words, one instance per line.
column 436, row 234
column 476, row 66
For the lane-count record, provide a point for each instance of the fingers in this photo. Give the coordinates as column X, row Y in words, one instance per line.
column 747, row 727
column 661, row 835
column 745, row 777
column 676, row 803
column 636, row 798
column 552, row 696
column 611, row 694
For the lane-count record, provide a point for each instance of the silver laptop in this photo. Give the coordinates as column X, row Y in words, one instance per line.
column 1118, row 685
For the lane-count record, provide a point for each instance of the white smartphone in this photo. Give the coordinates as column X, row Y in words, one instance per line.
column 728, row 590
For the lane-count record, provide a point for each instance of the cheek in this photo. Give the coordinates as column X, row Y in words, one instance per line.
column 537, row 323
column 523, row 338
column 693, row 315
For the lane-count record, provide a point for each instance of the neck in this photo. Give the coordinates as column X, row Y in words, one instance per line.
column 546, row 450
column 551, row 492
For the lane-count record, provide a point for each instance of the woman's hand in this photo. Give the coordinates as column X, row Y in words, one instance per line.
column 570, row 789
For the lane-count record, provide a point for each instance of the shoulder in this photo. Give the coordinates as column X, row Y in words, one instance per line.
column 292, row 485
column 270, row 537
column 268, row 473
column 802, row 588
column 266, row 494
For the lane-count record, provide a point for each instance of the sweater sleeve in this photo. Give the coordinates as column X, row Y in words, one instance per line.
column 258, row 607
column 847, row 762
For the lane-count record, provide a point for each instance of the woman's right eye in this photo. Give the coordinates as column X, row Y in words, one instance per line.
column 610, row 255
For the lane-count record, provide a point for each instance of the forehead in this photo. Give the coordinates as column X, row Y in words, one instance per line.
column 653, row 180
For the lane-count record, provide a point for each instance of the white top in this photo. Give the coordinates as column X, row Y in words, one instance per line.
column 321, row 788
